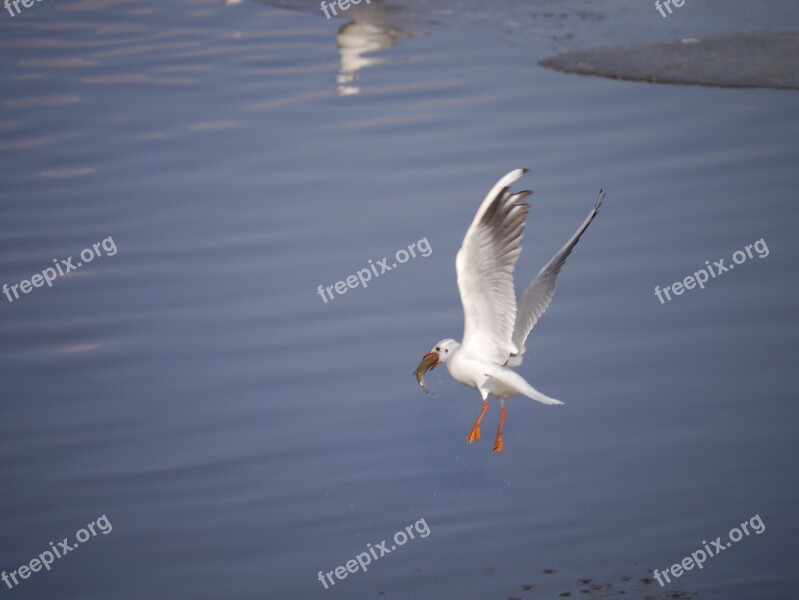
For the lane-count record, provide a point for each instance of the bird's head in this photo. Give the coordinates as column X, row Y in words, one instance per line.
column 441, row 352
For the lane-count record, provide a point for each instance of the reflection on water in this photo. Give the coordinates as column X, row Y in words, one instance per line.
column 354, row 41
column 365, row 32
column 242, row 435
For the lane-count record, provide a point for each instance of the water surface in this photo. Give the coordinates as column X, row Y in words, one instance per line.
column 241, row 434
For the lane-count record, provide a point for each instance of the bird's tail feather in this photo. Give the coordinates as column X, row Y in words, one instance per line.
column 539, row 397
column 516, row 382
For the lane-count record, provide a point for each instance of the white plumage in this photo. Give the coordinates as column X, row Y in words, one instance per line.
column 496, row 325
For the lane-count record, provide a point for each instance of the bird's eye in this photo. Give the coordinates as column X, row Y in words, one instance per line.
column 438, row 349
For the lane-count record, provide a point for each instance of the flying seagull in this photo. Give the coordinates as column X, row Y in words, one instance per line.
column 496, row 324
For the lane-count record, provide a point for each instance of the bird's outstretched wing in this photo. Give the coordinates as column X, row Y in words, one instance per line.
column 485, row 265
column 536, row 297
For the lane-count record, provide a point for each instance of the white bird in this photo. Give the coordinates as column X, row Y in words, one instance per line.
column 496, row 325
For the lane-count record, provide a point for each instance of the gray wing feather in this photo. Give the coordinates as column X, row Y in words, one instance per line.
column 485, row 265
column 535, row 299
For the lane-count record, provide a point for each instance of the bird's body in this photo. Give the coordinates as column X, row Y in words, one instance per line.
column 496, row 325
column 498, row 381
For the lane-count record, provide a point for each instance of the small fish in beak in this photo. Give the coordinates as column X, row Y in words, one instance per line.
column 429, row 362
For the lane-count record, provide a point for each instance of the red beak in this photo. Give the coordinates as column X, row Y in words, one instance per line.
column 428, row 355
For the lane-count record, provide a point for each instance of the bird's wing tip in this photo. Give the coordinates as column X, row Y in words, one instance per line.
column 599, row 200
column 524, row 194
column 515, row 174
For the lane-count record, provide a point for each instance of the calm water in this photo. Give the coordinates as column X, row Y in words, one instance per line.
column 241, row 435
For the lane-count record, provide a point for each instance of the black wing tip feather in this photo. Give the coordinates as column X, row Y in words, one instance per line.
column 504, row 203
column 520, row 197
column 599, row 200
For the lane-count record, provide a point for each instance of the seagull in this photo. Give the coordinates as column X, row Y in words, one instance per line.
column 496, row 324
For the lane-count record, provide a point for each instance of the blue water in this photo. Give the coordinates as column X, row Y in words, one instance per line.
column 240, row 434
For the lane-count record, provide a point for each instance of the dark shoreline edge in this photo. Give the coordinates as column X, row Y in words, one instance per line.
column 762, row 60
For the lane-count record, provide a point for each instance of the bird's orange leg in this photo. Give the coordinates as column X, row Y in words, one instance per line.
column 498, row 445
column 474, row 434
